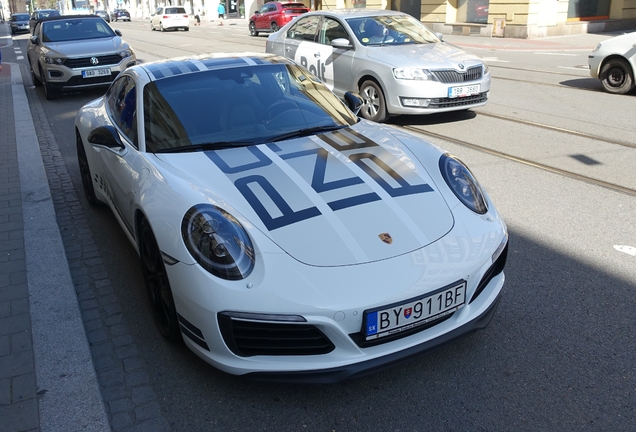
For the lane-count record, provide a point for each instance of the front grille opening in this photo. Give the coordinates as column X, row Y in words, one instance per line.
column 252, row 338
column 105, row 60
column 496, row 268
column 455, row 102
column 451, row 76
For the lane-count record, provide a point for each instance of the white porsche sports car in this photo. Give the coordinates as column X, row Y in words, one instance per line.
column 280, row 236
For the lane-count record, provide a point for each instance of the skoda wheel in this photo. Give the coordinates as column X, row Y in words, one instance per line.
column 374, row 106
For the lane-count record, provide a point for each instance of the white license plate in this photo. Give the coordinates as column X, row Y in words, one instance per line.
column 95, row 73
column 463, row 91
column 415, row 312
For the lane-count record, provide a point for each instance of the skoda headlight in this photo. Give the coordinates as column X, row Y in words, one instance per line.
column 462, row 183
column 218, row 242
column 413, row 74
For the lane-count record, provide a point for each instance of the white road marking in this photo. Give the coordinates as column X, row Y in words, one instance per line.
column 630, row 250
column 494, row 59
column 575, row 68
column 556, row 54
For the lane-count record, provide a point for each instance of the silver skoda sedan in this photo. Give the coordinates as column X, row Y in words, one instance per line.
column 393, row 60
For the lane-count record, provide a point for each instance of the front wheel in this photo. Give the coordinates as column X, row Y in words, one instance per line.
column 85, row 172
column 157, row 284
column 374, row 106
column 36, row 80
column 617, row 76
column 274, row 27
column 151, row 26
column 253, row 31
column 49, row 91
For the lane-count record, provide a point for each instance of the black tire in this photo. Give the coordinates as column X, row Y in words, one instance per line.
column 157, row 284
column 374, row 105
column 186, row 28
column 151, row 26
column 36, row 80
column 253, row 31
column 274, row 27
column 49, row 91
column 617, row 76
column 85, row 172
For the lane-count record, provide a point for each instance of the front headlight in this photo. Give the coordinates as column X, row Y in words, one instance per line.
column 218, row 242
column 413, row 74
column 125, row 53
column 462, row 183
column 486, row 69
column 54, row 60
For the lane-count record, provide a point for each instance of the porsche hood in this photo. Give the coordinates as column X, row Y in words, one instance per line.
column 334, row 199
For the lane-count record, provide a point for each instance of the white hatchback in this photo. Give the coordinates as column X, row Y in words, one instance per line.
column 170, row 18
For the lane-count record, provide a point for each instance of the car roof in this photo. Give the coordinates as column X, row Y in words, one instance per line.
column 67, row 17
column 350, row 13
column 167, row 68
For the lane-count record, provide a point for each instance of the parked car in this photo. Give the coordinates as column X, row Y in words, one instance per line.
column 393, row 60
column 76, row 52
column 170, row 18
column 120, row 14
column 19, row 23
column 280, row 236
column 103, row 15
column 39, row 14
column 273, row 15
column 613, row 61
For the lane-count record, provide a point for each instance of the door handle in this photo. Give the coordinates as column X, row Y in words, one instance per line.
column 317, row 54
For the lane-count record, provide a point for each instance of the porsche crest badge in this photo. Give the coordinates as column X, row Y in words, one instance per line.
column 386, row 238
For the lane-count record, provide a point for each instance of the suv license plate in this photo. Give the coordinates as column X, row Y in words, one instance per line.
column 95, row 73
column 463, row 91
column 415, row 312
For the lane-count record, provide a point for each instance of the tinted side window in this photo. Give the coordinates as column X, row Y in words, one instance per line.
column 331, row 29
column 122, row 102
column 305, row 29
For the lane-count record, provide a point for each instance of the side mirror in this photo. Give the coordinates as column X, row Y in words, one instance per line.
column 353, row 102
column 341, row 43
column 106, row 136
column 34, row 40
column 440, row 36
column 118, row 32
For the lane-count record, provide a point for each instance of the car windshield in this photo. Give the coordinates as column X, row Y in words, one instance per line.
column 75, row 29
column 20, row 17
column 175, row 10
column 238, row 105
column 391, row 30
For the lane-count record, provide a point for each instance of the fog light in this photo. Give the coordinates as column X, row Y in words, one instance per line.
column 412, row 102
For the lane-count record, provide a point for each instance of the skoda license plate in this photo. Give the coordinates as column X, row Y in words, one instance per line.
column 413, row 313
column 463, row 91
column 95, row 73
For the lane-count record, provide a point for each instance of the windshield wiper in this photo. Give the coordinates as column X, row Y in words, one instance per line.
column 304, row 132
column 206, row 146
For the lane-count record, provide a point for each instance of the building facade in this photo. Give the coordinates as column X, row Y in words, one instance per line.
column 502, row 18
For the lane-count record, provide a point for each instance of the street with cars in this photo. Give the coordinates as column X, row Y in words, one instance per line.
column 553, row 150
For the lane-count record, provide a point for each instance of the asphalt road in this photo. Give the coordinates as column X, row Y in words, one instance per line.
column 558, row 355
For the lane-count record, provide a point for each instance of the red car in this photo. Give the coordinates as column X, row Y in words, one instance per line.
column 274, row 15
